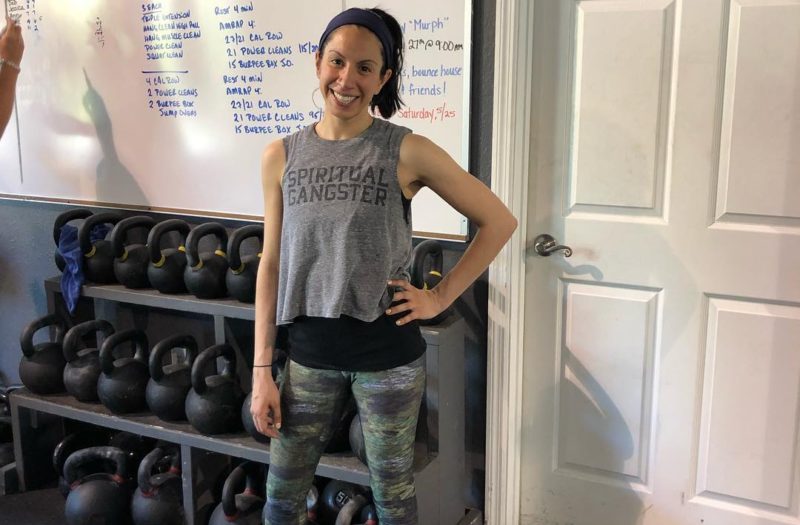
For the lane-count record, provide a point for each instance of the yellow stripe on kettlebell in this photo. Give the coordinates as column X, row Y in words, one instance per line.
column 434, row 272
column 160, row 262
column 221, row 253
column 124, row 256
column 182, row 248
column 424, row 286
column 91, row 252
column 259, row 255
column 198, row 265
column 238, row 270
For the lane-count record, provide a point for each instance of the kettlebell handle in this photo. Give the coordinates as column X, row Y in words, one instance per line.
column 145, row 473
column 200, row 231
column 235, row 242
column 74, row 336
column 120, row 232
column 154, row 237
column 26, row 339
column 425, row 249
column 243, row 477
column 61, row 450
column 85, row 230
column 113, row 455
column 161, row 348
column 223, row 350
column 349, row 510
column 112, row 342
column 64, row 218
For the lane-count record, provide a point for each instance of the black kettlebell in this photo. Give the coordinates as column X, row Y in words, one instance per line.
column 357, row 439
column 72, row 443
column 98, row 257
column 427, row 280
column 334, row 497
column 247, row 421
column 83, row 364
column 41, row 368
column 166, row 266
column 158, row 499
column 205, row 272
column 214, row 403
column 351, row 509
column 61, row 220
column 122, row 383
column 97, row 498
column 240, row 278
column 168, row 386
column 130, row 260
column 242, row 500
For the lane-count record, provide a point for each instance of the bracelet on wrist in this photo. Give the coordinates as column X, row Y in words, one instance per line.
column 262, row 366
column 9, row 63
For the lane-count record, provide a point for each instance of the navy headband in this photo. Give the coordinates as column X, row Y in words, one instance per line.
column 363, row 18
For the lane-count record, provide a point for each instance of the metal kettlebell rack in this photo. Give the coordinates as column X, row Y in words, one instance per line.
column 439, row 460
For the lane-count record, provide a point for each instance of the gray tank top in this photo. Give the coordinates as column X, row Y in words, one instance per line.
column 346, row 224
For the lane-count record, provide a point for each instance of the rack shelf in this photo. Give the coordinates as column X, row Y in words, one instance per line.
column 439, row 471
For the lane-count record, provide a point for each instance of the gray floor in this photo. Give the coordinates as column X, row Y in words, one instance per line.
column 37, row 507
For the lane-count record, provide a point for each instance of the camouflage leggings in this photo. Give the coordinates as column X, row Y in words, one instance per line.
column 311, row 401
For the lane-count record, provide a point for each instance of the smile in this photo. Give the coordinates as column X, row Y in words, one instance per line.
column 343, row 99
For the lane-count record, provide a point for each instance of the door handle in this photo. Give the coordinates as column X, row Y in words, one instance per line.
column 545, row 245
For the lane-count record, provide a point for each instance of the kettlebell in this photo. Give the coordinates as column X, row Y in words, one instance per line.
column 130, row 260
column 98, row 259
column 122, row 383
column 205, row 272
column 72, row 443
column 350, row 509
column 168, row 386
column 240, row 278
column 166, row 266
column 61, row 220
column 334, row 497
column 98, row 497
column 214, row 403
column 158, row 500
column 242, row 500
column 357, row 439
column 247, row 421
column 41, row 368
column 428, row 249
column 83, row 366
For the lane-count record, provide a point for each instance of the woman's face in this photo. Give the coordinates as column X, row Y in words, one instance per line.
column 349, row 71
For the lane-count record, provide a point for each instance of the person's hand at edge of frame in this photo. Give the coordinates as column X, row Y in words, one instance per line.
column 12, row 45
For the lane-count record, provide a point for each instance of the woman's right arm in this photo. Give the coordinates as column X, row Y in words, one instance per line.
column 265, row 404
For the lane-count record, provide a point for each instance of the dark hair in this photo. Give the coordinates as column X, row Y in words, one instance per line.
column 388, row 100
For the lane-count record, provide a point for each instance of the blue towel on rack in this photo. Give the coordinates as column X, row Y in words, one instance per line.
column 70, row 250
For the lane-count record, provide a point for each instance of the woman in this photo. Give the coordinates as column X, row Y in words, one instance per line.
column 337, row 242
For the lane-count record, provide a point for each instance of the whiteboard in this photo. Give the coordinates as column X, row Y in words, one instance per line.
column 168, row 105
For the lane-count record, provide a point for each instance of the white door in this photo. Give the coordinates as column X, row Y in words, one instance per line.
column 662, row 359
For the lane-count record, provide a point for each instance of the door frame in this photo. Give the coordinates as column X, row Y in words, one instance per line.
column 511, row 164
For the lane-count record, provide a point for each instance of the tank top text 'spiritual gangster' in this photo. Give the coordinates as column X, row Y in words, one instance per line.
column 346, row 224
